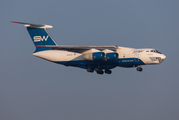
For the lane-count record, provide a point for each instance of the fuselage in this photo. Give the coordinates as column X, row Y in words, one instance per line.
column 127, row 57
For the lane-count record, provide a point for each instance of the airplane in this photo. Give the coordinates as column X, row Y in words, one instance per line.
column 92, row 58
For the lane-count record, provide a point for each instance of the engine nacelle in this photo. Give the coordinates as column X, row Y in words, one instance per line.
column 96, row 56
column 111, row 56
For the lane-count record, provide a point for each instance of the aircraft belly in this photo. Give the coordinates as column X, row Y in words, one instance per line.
column 123, row 62
column 92, row 64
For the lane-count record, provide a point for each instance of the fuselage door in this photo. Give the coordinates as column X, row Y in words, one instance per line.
column 136, row 57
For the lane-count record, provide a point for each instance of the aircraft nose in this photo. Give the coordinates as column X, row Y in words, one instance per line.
column 163, row 57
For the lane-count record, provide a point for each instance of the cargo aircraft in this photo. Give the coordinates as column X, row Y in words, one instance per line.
column 92, row 58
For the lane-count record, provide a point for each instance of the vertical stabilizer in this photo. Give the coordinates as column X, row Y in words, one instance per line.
column 39, row 35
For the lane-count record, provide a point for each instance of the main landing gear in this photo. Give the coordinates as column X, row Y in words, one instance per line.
column 90, row 70
column 99, row 71
column 139, row 69
column 107, row 71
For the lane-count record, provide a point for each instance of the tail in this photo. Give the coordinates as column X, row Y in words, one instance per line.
column 39, row 35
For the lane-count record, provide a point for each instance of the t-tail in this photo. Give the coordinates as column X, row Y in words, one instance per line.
column 39, row 35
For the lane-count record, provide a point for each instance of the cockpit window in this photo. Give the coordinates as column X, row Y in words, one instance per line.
column 156, row 51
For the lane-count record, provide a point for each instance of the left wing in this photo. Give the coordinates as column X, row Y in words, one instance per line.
column 81, row 49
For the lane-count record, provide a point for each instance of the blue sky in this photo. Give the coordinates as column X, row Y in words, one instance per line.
column 32, row 88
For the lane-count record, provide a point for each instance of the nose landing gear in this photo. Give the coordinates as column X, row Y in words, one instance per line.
column 139, row 69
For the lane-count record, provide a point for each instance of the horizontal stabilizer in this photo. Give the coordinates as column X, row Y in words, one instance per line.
column 33, row 25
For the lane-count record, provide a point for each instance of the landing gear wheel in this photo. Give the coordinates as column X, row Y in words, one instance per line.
column 99, row 71
column 139, row 69
column 90, row 70
column 107, row 71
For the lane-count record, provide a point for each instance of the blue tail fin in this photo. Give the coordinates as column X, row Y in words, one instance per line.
column 40, row 38
column 39, row 35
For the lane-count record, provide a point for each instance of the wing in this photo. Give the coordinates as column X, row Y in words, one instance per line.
column 81, row 49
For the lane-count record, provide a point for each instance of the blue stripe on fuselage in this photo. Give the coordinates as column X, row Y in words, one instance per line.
column 123, row 62
column 130, row 62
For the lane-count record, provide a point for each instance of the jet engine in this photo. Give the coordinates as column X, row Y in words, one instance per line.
column 111, row 56
column 96, row 56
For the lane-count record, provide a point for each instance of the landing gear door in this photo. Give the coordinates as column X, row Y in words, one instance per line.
column 136, row 57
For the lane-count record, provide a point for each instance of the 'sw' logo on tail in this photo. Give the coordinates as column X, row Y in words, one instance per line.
column 39, row 38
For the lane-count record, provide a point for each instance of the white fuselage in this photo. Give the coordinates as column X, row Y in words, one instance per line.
column 126, row 56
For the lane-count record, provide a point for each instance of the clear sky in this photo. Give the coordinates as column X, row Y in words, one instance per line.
column 35, row 89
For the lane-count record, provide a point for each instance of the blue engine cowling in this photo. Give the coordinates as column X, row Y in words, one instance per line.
column 111, row 56
column 96, row 56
